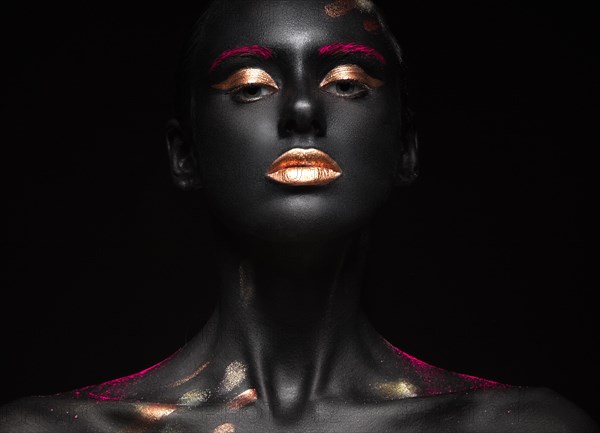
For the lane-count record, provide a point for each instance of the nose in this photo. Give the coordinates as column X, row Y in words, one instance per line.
column 302, row 115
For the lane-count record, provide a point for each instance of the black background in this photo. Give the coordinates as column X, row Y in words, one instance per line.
column 483, row 266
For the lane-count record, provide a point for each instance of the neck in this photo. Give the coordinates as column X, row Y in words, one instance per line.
column 285, row 310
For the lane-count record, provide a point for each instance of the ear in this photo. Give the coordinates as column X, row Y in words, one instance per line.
column 407, row 168
column 184, row 167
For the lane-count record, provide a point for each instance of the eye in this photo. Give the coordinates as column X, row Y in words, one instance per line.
column 248, row 85
column 346, row 88
column 251, row 92
column 349, row 81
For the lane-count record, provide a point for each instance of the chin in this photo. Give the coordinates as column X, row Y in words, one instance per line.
column 298, row 218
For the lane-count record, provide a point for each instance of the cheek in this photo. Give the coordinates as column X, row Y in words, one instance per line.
column 364, row 135
column 237, row 142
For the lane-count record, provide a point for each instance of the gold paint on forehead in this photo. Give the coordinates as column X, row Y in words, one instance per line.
column 365, row 5
column 395, row 389
column 341, row 7
column 190, row 377
column 194, row 397
column 243, row 399
column 224, row 428
column 235, row 373
column 372, row 25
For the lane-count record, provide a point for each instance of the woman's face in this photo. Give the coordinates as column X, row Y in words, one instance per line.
column 298, row 76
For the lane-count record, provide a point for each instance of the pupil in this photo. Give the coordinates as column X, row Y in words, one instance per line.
column 252, row 90
column 345, row 86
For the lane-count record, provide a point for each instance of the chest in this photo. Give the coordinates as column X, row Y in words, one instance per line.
column 401, row 416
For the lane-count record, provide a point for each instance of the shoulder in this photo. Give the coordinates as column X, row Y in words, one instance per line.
column 56, row 414
column 525, row 409
column 28, row 415
column 498, row 410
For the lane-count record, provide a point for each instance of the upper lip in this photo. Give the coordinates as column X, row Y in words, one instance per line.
column 305, row 157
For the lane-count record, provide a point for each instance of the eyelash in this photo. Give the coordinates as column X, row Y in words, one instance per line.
column 362, row 92
column 236, row 92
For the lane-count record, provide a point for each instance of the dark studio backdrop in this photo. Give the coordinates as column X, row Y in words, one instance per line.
column 482, row 266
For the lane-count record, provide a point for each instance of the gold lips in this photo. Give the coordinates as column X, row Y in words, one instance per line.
column 300, row 166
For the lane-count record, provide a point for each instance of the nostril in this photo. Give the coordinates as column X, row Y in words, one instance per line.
column 289, row 127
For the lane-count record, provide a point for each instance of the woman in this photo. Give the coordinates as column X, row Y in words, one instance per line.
column 292, row 124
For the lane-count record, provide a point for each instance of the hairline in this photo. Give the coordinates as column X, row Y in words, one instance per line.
column 185, row 103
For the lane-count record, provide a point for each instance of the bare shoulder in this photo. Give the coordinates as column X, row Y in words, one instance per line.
column 28, row 415
column 50, row 414
column 526, row 409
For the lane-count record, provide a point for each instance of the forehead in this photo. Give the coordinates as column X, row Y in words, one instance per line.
column 290, row 25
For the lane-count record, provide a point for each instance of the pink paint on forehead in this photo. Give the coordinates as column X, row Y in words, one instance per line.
column 351, row 47
column 252, row 50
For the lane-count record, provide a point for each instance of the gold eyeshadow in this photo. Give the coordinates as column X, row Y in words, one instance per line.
column 350, row 73
column 246, row 77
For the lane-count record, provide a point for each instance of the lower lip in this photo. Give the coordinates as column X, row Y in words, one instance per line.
column 304, row 175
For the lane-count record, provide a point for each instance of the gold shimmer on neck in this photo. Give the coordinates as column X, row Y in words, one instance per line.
column 191, row 376
column 395, row 390
column 235, row 373
column 244, row 399
column 350, row 73
column 149, row 413
column 194, row 397
column 154, row 412
column 246, row 77
column 224, row 428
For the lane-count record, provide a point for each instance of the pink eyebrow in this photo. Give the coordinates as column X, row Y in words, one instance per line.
column 328, row 50
column 253, row 50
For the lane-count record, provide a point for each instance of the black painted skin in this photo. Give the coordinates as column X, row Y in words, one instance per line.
column 291, row 260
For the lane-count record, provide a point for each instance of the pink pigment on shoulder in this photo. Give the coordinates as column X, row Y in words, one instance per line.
column 440, row 381
column 114, row 390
